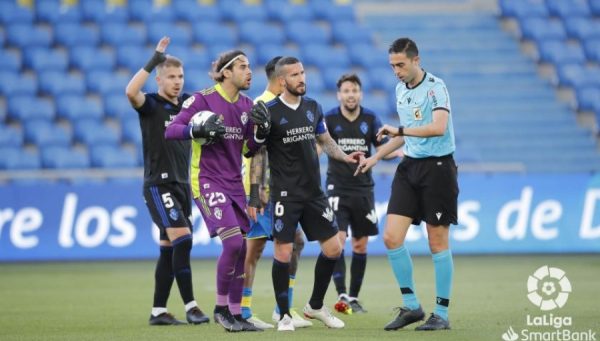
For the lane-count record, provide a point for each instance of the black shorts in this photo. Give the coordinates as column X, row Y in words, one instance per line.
column 170, row 205
column 355, row 212
column 426, row 189
column 316, row 217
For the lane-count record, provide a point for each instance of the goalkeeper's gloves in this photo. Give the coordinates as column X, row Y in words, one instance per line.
column 262, row 119
column 213, row 128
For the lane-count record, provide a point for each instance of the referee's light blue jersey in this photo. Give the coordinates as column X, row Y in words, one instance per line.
column 415, row 108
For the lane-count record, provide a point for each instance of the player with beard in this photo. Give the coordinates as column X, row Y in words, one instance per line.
column 216, row 178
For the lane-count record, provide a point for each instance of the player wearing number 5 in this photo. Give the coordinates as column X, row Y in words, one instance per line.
column 425, row 186
column 166, row 184
column 216, row 174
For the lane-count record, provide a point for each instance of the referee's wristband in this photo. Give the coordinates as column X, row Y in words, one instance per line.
column 400, row 130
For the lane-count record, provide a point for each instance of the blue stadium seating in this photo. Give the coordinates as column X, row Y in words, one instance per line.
column 26, row 107
column 13, row 84
column 588, row 98
column 523, row 8
column 100, row 11
column 149, row 12
column 178, row 34
column 11, row 60
column 331, row 76
column 10, row 12
column 306, row 32
column 64, row 157
column 242, row 12
column 582, row 28
column 350, row 33
column 112, row 157
column 123, row 34
column 314, row 82
column 565, row 9
column 107, row 82
column 45, row 133
column 88, row 59
column 73, row 108
column 131, row 131
column 258, row 32
column 592, row 49
column 210, row 33
column 57, row 83
column 117, row 106
column 539, row 29
column 70, row 34
column 559, row 52
column 26, row 35
column 577, row 75
column 594, row 7
column 266, row 51
column 93, row 133
column 54, row 11
column 134, row 57
column 325, row 56
column 367, row 56
column 44, row 59
column 192, row 11
column 325, row 10
column 285, row 12
column 17, row 158
column 10, row 136
column 193, row 58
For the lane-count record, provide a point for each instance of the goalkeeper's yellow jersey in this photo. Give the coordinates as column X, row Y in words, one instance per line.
column 266, row 96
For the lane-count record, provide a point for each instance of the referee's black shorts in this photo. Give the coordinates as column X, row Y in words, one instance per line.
column 426, row 189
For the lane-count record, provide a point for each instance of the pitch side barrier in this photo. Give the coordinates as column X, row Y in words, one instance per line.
column 498, row 213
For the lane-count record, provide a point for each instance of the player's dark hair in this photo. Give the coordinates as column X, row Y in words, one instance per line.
column 406, row 46
column 170, row 61
column 224, row 62
column 349, row 77
column 270, row 67
column 283, row 62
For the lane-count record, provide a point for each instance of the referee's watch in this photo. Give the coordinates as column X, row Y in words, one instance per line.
column 400, row 130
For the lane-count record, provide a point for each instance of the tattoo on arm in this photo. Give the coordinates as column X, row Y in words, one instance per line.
column 257, row 166
column 331, row 148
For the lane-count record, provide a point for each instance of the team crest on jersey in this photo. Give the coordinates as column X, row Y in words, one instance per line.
column 283, row 121
column 310, row 116
column 328, row 214
column 173, row 214
column 188, row 102
column 364, row 127
column 278, row 225
column 218, row 213
column 417, row 114
column 338, row 129
column 244, row 117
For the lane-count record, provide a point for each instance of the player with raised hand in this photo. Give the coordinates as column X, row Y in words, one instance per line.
column 425, row 186
column 296, row 125
column 216, row 178
column 258, row 191
column 166, row 182
column 354, row 128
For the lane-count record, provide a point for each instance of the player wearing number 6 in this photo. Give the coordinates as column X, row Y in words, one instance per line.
column 216, row 174
column 166, row 184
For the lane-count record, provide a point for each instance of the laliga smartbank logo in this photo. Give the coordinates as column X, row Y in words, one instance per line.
column 548, row 288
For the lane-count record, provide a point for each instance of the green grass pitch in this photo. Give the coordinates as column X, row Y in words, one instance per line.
column 112, row 300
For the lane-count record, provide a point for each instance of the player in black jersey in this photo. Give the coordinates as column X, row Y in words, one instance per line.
column 354, row 128
column 296, row 124
column 166, row 183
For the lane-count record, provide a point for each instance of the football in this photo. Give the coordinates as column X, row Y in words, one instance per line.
column 201, row 118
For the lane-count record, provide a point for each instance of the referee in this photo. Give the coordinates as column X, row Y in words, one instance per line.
column 425, row 186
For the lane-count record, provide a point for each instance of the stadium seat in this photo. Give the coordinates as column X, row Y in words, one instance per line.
column 26, row 107
column 95, row 133
column 383, row 79
column 326, row 100
column 350, row 32
column 325, row 56
column 10, row 136
column 314, row 82
column 588, row 98
column 14, row 84
column 45, row 133
column 331, row 76
column 582, row 28
column 17, row 158
column 194, row 11
column 210, row 33
column 57, row 83
column 307, row 32
column 524, row 8
column 150, row 12
column 134, row 57
column 577, row 75
column 256, row 32
column 566, row 9
column 26, row 35
column 112, row 157
column 197, row 79
column 75, row 108
column 116, row 105
column 284, row 12
column 379, row 105
column 239, row 12
column 367, row 56
column 123, row 34
column 44, row 59
column 88, row 59
column 179, row 34
column 539, row 29
column 69, row 34
column 592, row 49
column 330, row 12
column 11, row 12
column 594, row 7
column 193, row 58
column 366, row 81
column 55, row 11
column 11, row 60
column 102, row 12
column 130, row 127
column 266, row 51
column 560, row 52
column 107, row 82
column 56, row 157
